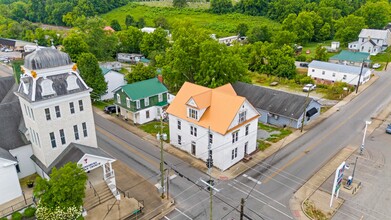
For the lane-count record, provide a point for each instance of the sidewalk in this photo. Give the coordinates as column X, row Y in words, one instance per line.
column 241, row 166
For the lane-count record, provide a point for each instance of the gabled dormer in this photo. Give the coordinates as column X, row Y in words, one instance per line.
column 197, row 105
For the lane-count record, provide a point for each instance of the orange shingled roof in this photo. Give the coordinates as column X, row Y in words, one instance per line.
column 221, row 111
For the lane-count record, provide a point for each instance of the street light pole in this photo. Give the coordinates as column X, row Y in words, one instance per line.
column 363, row 138
column 354, row 169
column 160, row 136
column 305, row 108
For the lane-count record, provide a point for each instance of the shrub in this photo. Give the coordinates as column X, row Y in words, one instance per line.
column 29, row 212
column 301, row 58
column 306, row 80
column 3, row 218
column 16, row 216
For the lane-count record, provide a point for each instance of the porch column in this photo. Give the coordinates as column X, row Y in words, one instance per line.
column 116, row 110
column 104, row 172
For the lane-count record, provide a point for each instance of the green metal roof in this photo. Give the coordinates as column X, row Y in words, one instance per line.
column 104, row 70
column 164, row 103
column 143, row 89
column 351, row 56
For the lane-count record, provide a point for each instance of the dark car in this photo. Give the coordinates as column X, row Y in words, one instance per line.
column 304, row 65
column 110, row 109
column 388, row 129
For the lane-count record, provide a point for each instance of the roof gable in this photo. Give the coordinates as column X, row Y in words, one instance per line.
column 144, row 89
column 274, row 101
column 351, row 56
column 374, row 33
column 223, row 107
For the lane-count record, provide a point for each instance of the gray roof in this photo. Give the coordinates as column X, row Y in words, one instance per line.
column 59, row 86
column 10, row 118
column 46, row 58
column 274, row 101
column 374, row 33
column 7, row 155
column 6, row 84
column 336, row 67
column 72, row 153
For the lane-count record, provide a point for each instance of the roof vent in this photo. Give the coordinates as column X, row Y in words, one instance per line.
column 72, row 82
column 47, row 87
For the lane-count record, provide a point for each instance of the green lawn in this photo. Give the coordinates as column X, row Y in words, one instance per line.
column 221, row 25
column 195, row 5
column 101, row 104
column 312, row 47
column 262, row 145
column 283, row 132
column 154, row 127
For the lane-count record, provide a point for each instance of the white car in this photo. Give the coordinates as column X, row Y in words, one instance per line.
column 8, row 50
column 309, row 87
column 375, row 65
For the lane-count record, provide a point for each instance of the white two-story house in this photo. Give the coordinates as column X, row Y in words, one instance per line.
column 371, row 41
column 199, row 116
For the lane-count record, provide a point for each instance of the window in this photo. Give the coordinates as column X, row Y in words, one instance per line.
column 58, row 113
column 118, row 99
column 47, row 113
column 333, row 74
column 84, row 126
column 25, row 109
column 179, row 125
column 247, row 129
column 313, row 70
column 127, row 102
column 362, row 40
column 160, row 97
column 146, row 101
column 72, row 107
column 323, row 72
column 235, row 136
column 362, row 48
column 62, row 136
column 344, row 77
column 52, row 139
column 81, row 107
column 179, row 140
column 377, row 41
column 242, row 116
column 234, row 153
column 32, row 114
column 193, row 113
column 193, row 131
column 147, row 114
column 76, row 132
column 245, row 148
column 39, row 142
column 17, row 165
column 137, row 104
column 210, row 138
column 193, row 147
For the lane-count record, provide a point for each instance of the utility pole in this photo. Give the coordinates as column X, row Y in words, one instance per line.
column 168, row 176
column 363, row 138
column 160, row 137
column 359, row 77
column 241, row 209
column 305, row 107
column 209, row 164
column 354, row 169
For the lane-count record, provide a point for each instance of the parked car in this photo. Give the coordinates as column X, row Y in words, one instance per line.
column 375, row 65
column 388, row 129
column 8, row 50
column 309, row 87
column 304, row 65
column 110, row 109
column 3, row 49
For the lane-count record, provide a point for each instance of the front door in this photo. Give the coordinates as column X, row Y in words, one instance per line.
column 193, row 148
column 245, row 148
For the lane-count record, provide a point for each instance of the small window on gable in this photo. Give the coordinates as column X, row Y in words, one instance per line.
column 313, row 70
column 72, row 82
column 47, row 87
column 242, row 116
column 344, row 77
column 333, row 74
column 323, row 72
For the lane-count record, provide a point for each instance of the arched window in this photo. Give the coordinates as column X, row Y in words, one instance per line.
column 72, row 82
column 47, row 87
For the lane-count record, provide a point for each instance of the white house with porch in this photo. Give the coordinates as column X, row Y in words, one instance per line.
column 199, row 116
column 57, row 120
column 371, row 41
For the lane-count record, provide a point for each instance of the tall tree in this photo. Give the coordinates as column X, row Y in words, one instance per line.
column 65, row 188
column 129, row 21
column 115, row 25
column 221, row 6
column 252, row 7
column 259, row 33
column 161, row 22
column 376, row 14
column 242, row 29
column 321, row 53
column 280, row 9
column 75, row 45
column 179, row 3
column 348, row 28
column 141, row 22
column 92, row 74
column 140, row 72
column 284, row 37
column 156, row 41
column 129, row 40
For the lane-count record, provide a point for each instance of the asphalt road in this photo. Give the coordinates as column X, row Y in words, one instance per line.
column 5, row 71
column 271, row 183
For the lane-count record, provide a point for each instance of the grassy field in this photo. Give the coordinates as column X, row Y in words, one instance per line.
column 154, row 127
column 221, row 25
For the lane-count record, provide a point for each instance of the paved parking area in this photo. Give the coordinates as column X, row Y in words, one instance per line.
column 372, row 200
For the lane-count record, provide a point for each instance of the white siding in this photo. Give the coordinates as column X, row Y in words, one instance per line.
column 351, row 79
column 114, row 80
column 9, row 182
column 26, row 165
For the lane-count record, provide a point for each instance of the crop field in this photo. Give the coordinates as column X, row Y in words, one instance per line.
column 221, row 25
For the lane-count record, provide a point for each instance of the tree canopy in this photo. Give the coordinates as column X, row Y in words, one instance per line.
column 92, row 74
column 140, row 72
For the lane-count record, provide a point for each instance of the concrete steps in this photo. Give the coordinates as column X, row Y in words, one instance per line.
column 93, row 199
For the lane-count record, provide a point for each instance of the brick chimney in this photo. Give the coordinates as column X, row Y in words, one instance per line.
column 160, row 78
